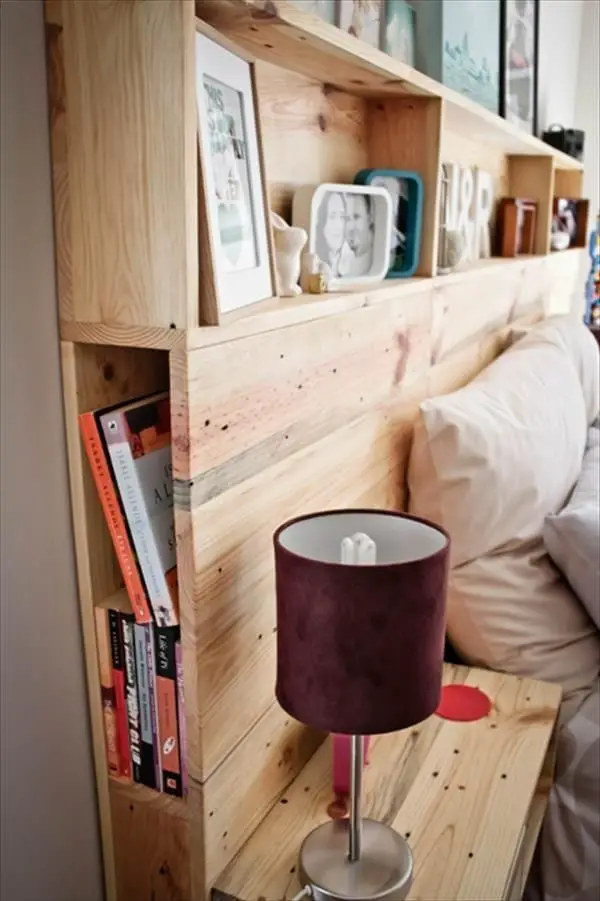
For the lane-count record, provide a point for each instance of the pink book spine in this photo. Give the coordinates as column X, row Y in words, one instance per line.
column 340, row 745
column 181, row 718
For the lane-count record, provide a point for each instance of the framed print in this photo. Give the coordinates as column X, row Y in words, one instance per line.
column 349, row 229
column 456, row 42
column 406, row 195
column 362, row 18
column 519, row 39
column 232, row 179
column 398, row 34
column 324, row 9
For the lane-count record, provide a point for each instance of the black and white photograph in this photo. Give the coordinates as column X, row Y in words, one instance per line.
column 344, row 233
column 233, row 225
column 519, row 62
column 229, row 161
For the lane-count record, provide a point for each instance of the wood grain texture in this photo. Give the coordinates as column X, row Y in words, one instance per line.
column 122, row 335
column 152, row 849
column 568, row 183
column 59, row 152
column 85, row 550
column 126, row 208
column 533, row 178
column 279, row 32
column 461, row 791
column 405, row 133
column 308, row 121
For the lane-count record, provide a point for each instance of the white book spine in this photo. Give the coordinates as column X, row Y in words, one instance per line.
column 139, row 524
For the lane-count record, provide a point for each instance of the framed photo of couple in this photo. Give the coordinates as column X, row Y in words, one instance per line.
column 349, row 228
column 236, row 258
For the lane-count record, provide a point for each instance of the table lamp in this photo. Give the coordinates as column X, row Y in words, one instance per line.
column 360, row 638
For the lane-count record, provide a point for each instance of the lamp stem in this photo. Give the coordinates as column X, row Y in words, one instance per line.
column 356, row 769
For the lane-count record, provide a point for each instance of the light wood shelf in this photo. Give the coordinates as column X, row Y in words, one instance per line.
column 281, row 33
column 285, row 405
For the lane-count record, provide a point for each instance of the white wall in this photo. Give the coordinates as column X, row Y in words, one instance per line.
column 49, row 835
column 587, row 101
column 559, row 43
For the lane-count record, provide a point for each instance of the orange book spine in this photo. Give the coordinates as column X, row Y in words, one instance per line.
column 114, row 518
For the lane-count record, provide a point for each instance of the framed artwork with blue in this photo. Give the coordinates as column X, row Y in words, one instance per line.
column 458, row 43
column 406, row 193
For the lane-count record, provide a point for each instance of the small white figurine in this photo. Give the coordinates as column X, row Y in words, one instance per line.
column 288, row 241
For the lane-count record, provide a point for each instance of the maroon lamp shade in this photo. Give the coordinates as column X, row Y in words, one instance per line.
column 360, row 647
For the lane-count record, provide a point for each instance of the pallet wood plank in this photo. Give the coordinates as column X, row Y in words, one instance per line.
column 128, row 220
column 400, row 788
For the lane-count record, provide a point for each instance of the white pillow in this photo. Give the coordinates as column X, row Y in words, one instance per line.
column 489, row 463
column 572, row 537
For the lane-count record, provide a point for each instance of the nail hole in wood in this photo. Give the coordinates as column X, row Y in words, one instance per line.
column 212, row 813
column 435, row 774
column 281, row 356
column 503, row 776
column 268, row 744
column 470, row 854
column 528, row 698
column 334, row 371
column 456, row 751
column 108, row 371
column 461, row 788
column 207, row 422
column 220, row 569
column 322, row 122
column 292, row 871
column 225, row 834
column 284, row 800
column 269, row 46
column 446, row 787
column 407, row 835
column 224, row 427
column 259, row 636
column 131, row 808
column 299, row 387
column 307, row 788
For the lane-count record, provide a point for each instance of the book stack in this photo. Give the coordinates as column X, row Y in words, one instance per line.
column 139, row 648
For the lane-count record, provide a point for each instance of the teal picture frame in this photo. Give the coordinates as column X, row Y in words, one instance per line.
column 404, row 261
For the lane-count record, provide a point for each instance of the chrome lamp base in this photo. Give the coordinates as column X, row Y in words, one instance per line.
column 383, row 872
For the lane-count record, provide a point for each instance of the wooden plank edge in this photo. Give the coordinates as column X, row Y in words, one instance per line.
column 140, row 794
column 276, row 313
column 85, row 596
column 151, row 337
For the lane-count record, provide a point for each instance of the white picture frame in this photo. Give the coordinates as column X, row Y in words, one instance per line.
column 351, row 237
column 232, row 174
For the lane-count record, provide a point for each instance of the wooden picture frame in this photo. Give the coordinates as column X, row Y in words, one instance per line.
column 516, row 221
column 236, row 253
column 519, row 61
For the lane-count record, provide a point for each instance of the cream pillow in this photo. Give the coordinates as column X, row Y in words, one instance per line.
column 490, row 462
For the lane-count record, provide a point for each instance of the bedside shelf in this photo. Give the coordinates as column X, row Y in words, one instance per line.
column 468, row 796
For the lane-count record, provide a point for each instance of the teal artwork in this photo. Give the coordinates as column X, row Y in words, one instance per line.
column 458, row 43
column 399, row 31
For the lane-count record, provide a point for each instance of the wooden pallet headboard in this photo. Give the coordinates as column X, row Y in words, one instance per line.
column 315, row 415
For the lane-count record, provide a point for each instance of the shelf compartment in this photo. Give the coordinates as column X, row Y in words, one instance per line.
column 281, row 33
